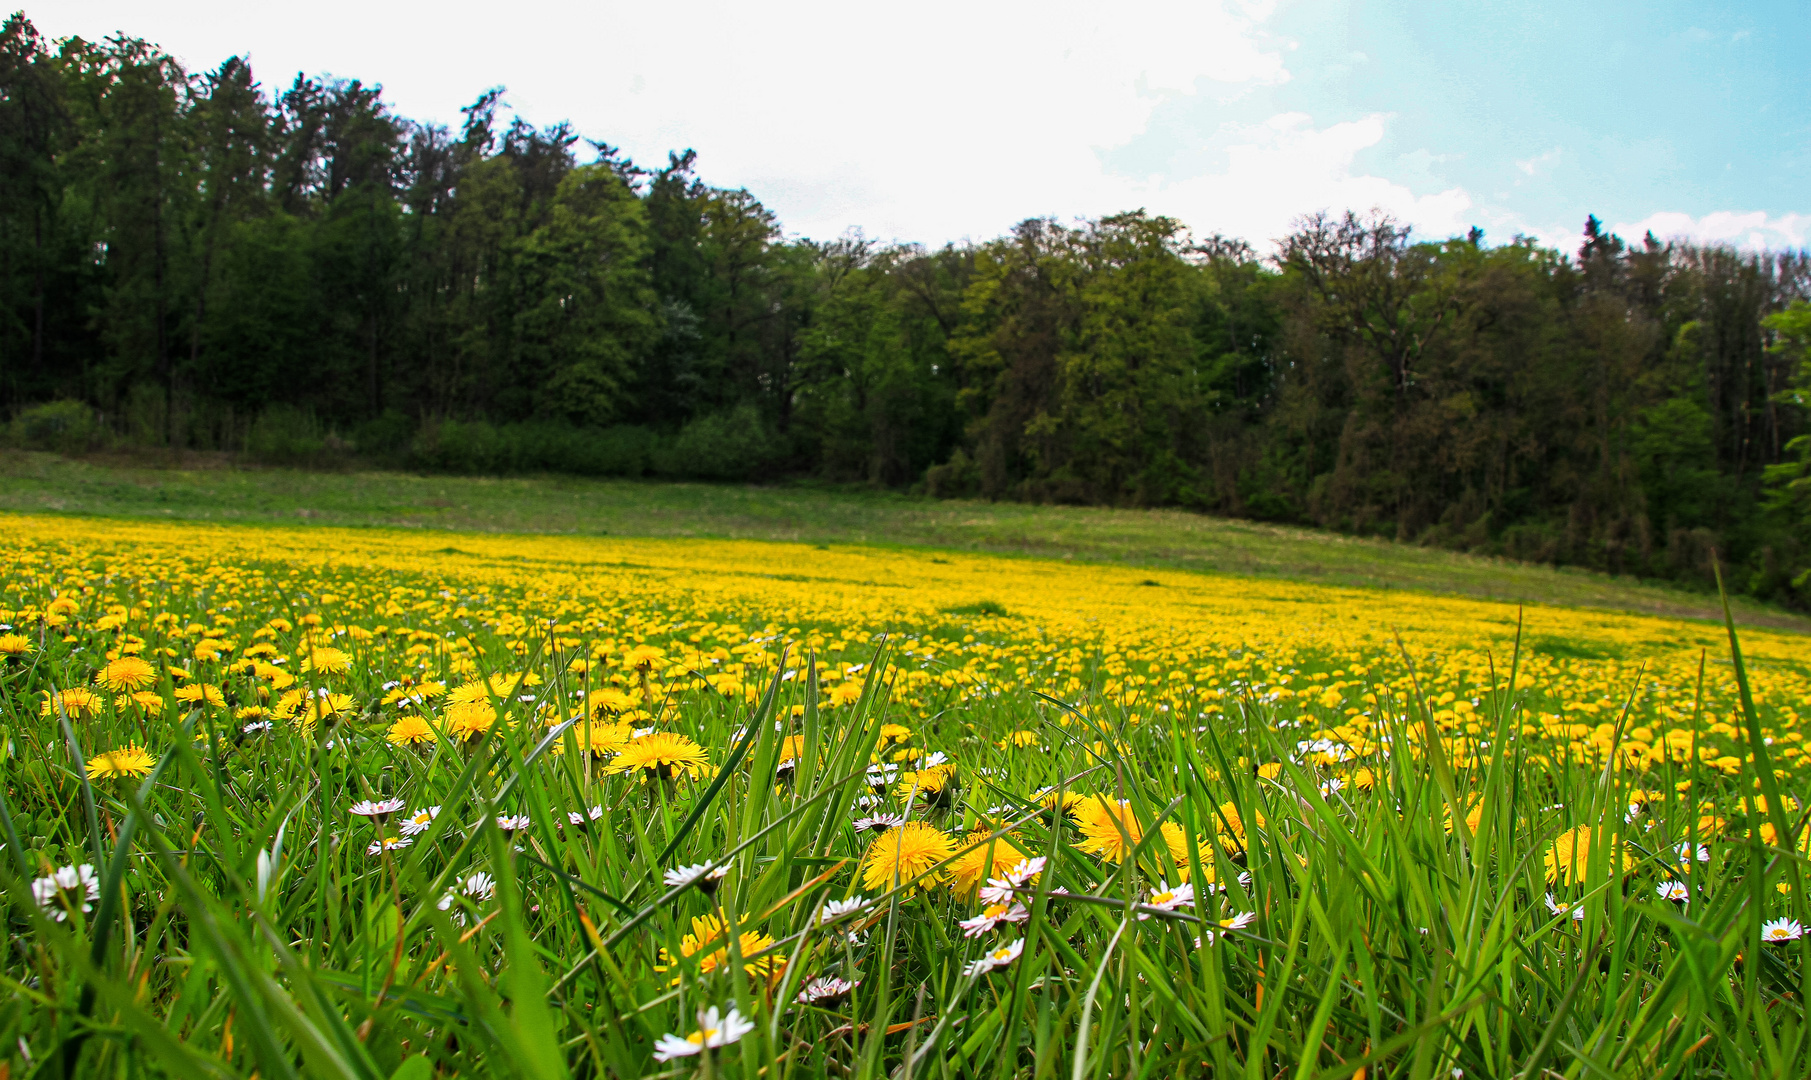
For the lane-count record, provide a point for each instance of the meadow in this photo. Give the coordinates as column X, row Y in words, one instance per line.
column 373, row 803
column 200, row 487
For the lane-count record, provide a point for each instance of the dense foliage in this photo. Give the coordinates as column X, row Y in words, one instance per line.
column 187, row 259
column 366, row 804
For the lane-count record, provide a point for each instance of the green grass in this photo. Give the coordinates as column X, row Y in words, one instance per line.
column 1158, row 538
column 240, row 928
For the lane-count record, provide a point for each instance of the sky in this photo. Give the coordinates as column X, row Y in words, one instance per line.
column 942, row 120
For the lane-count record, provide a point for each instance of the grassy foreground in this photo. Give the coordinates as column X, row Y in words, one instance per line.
column 326, row 803
column 207, row 491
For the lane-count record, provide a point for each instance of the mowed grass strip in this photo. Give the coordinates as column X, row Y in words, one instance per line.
column 206, row 489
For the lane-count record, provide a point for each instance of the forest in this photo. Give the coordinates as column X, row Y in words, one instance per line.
column 192, row 260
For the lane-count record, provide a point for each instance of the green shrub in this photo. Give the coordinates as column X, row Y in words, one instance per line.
column 63, row 427
column 386, row 439
column 558, row 447
column 457, row 446
column 473, row 447
column 286, row 435
column 733, row 445
column 957, row 478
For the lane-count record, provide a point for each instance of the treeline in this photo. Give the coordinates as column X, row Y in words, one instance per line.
column 188, row 260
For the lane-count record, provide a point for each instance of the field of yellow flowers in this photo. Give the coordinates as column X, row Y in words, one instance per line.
column 365, row 803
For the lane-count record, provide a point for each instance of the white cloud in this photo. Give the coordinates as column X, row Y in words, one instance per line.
column 1285, row 167
column 932, row 121
column 958, row 120
column 1539, row 163
column 1752, row 230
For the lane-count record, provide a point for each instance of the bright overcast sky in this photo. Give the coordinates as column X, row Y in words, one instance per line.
column 939, row 120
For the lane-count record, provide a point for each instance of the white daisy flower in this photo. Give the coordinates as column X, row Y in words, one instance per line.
column 258, row 727
column 1780, row 931
column 995, row 959
column 58, row 892
column 479, row 887
column 596, row 813
column 509, row 824
column 879, row 823
column 1557, row 908
column 1168, row 899
column 714, row 1030
column 417, row 823
column 1687, row 854
column 993, row 916
column 1237, row 922
column 825, row 988
column 377, row 809
column 389, row 843
column 1026, row 870
column 685, row 875
column 997, row 891
column 1673, row 890
column 836, row 909
column 881, row 777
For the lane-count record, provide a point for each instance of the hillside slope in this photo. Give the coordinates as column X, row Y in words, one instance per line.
column 1157, row 538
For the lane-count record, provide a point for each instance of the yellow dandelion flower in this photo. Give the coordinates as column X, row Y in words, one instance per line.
column 327, row 661
column 608, row 700
column 643, row 657
column 1230, row 828
column 410, row 730
column 974, row 865
column 74, row 702
column 471, row 693
column 661, row 754
column 143, row 699
column 413, row 693
column 895, row 733
column 899, row 855
column 126, row 674
column 506, row 683
column 710, row 937
column 1770, row 835
column 198, row 693
column 847, row 693
column 12, row 645
column 927, row 783
column 600, row 738
column 294, row 705
column 1111, row 830
column 470, row 720
column 1570, row 856
column 131, row 761
column 1474, row 813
